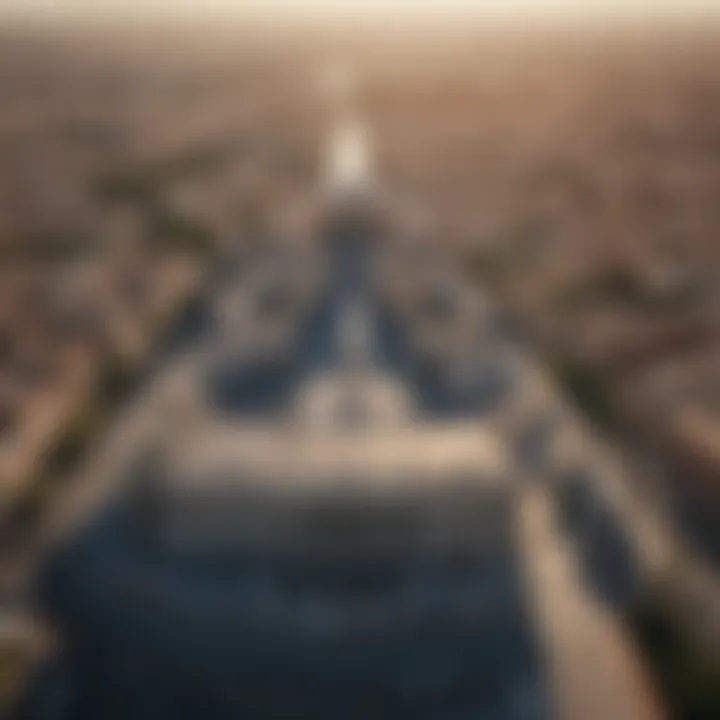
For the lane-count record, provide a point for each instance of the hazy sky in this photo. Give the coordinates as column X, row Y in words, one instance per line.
column 503, row 8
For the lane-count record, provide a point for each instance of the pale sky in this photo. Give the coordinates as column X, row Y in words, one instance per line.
column 482, row 8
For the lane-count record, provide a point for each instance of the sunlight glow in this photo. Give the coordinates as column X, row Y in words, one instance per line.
column 519, row 9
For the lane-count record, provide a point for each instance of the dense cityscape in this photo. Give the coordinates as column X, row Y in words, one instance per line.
column 558, row 192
